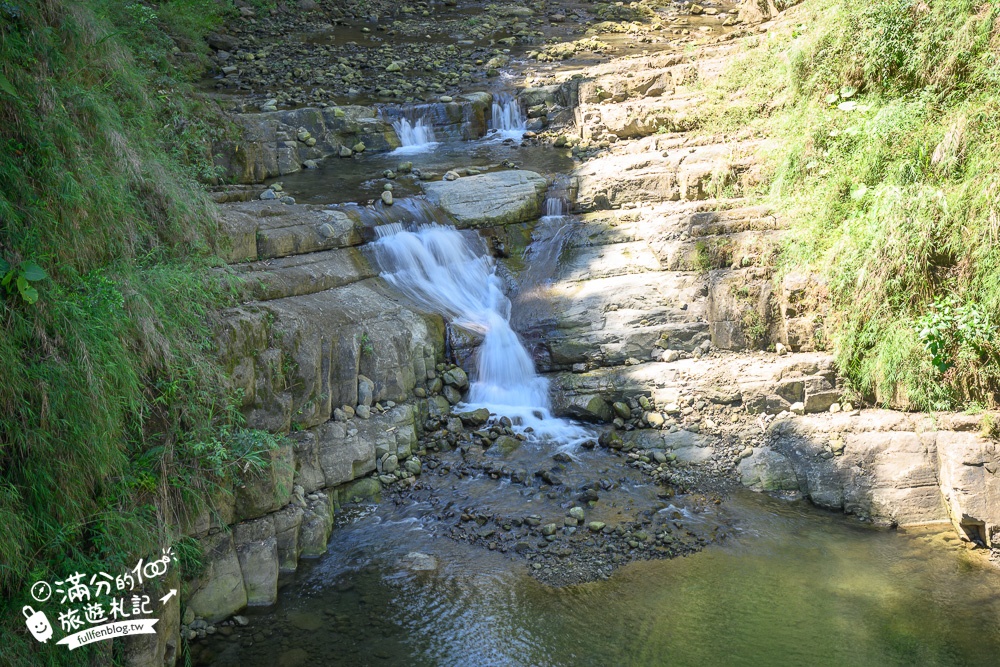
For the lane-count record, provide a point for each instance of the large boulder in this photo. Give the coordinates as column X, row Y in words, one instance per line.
column 497, row 198
column 758, row 11
column 968, row 465
column 590, row 408
column 279, row 142
column 298, row 358
column 257, row 551
column 317, row 524
column 269, row 489
column 267, row 230
column 287, row 524
column 687, row 446
column 219, row 592
column 161, row 648
column 345, row 451
column 881, row 465
column 767, row 470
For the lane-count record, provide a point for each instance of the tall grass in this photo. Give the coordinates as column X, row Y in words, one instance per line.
column 887, row 161
column 113, row 413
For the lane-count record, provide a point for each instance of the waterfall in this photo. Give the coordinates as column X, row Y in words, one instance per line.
column 416, row 135
column 506, row 118
column 555, row 207
column 542, row 262
column 450, row 273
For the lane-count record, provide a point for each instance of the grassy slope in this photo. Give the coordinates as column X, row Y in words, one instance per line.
column 896, row 200
column 110, row 407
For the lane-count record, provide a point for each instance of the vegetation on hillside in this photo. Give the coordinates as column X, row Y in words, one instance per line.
column 111, row 413
column 886, row 122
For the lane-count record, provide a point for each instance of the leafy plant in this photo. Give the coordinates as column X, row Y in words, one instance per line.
column 367, row 348
column 702, row 257
column 18, row 279
column 989, row 427
column 754, row 327
column 951, row 325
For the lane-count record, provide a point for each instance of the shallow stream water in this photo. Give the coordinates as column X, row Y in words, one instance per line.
column 360, row 178
column 793, row 586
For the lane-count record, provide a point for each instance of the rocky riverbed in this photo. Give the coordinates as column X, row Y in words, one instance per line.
column 321, row 52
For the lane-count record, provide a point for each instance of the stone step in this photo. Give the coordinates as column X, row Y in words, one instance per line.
column 741, row 249
column 683, row 173
column 588, row 303
column 638, row 118
column 615, row 345
column 761, row 382
column 636, row 241
column 298, row 275
column 734, row 221
column 672, row 219
column 605, row 261
column 268, row 229
column 650, row 77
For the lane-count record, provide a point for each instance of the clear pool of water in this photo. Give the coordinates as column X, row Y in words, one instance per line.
column 795, row 586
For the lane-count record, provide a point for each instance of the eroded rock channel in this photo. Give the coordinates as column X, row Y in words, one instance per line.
column 501, row 289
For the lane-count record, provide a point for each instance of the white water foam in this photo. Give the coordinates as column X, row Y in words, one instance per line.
column 415, row 135
column 506, row 119
column 555, row 207
column 449, row 273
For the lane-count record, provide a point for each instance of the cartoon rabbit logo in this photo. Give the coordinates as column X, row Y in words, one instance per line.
column 38, row 623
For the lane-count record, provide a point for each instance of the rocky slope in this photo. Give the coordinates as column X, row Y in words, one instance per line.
column 666, row 290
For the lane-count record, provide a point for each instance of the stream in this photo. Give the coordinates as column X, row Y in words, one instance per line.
column 792, row 586
column 435, row 575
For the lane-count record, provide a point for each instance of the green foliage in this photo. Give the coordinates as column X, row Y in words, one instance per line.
column 950, row 326
column 18, row 279
column 112, row 413
column 702, row 257
column 367, row 348
column 754, row 327
column 886, row 159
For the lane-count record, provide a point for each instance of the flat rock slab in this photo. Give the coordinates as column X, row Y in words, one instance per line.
column 270, row 229
column 298, row 275
column 497, row 198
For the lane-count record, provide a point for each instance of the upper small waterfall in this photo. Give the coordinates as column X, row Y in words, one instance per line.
column 415, row 134
column 542, row 260
column 506, row 118
column 555, row 207
column 451, row 274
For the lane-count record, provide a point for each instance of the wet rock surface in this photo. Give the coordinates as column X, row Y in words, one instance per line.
column 569, row 519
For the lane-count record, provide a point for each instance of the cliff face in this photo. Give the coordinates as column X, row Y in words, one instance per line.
column 104, row 250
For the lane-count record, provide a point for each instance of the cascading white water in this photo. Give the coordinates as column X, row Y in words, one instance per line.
column 444, row 271
column 506, row 118
column 414, row 135
column 554, row 207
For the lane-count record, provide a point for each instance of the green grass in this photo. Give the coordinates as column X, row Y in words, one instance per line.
column 113, row 411
column 894, row 200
